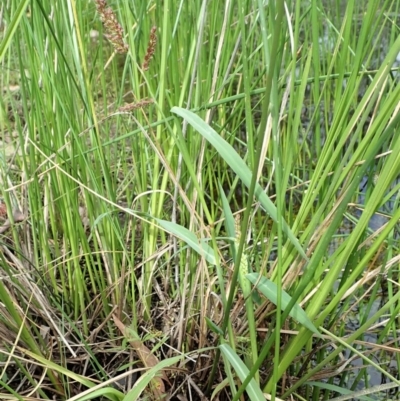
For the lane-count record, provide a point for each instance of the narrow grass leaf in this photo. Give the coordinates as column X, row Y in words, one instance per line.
column 108, row 392
column 60, row 369
column 145, row 379
column 5, row 43
column 270, row 290
column 332, row 387
column 237, row 164
column 253, row 390
column 219, row 387
column 5, row 386
column 229, row 219
column 201, row 247
column 212, row 326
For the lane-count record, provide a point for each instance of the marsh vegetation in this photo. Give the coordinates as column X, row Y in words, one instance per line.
column 187, row 196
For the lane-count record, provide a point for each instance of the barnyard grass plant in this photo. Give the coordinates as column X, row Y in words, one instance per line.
column 199, row 199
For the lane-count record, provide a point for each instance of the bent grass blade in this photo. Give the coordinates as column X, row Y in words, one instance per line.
column 236, row 163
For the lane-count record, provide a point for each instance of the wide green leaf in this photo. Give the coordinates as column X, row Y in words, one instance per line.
column 270, row 290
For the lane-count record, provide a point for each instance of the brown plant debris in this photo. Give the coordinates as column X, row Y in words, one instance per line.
column 18, row 216
column 147, row 358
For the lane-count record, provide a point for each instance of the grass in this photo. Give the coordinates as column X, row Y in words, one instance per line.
column 187, row 196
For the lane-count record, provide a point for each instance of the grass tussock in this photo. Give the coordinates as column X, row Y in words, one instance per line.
column 199, row 200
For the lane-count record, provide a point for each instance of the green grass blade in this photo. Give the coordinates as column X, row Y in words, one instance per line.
column 349, row 394
column 212, row 326
column 269, row 290
column 5, row 43
column 108, row 392
column 145, row 379
column 201, row 247
column 237, row 164
column 253, row 390
column 229, row 220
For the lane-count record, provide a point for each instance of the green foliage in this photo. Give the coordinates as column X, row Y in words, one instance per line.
column 166, row 163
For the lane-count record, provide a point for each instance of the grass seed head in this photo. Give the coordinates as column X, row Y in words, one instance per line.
column 114, row 31
column 150, row 48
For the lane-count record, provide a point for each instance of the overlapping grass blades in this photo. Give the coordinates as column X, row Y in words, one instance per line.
column 129, row 179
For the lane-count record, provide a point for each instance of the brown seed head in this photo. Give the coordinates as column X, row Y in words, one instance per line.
column 114, row 31
column 151, row 48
